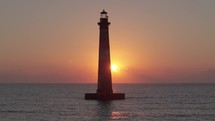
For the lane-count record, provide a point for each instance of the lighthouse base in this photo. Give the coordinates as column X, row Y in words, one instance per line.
column 97, row 96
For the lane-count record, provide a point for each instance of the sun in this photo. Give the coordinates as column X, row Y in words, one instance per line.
column 114, row 68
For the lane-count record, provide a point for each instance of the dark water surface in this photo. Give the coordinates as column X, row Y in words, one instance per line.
column 144, row 102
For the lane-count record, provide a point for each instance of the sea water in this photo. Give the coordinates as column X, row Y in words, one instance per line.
column 143, row 102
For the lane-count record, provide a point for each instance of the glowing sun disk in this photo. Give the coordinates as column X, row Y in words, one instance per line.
column 114, row 67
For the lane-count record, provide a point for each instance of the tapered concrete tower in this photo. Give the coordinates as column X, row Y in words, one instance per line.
column 104, row 90
column 104, row 71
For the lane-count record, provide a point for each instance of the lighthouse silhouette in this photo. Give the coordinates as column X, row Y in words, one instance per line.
column 104, row 87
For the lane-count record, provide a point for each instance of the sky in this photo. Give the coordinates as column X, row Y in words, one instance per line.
column 152, row 41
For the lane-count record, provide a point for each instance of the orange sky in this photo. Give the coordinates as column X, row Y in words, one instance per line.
column 151, row 41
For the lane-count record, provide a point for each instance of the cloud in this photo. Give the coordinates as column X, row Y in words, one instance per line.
column 75, row 76
column 207, row 76
column 175, row 77
column 19, row 76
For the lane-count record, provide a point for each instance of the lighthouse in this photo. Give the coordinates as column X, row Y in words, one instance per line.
column 104, row 86
column 104, row 71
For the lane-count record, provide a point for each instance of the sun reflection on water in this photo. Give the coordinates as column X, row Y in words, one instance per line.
column 115, row 115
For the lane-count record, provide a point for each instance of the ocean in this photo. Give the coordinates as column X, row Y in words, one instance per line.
column 143, row 102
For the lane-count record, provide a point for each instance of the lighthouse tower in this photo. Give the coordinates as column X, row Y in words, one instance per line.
column 104, row 87
column 104, row 71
